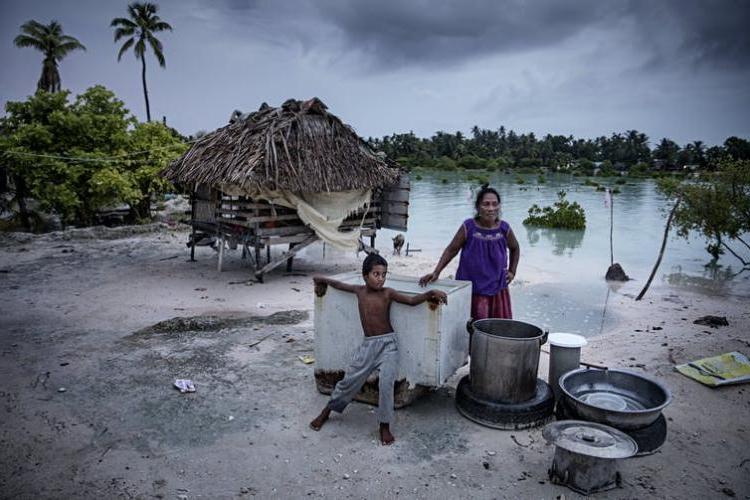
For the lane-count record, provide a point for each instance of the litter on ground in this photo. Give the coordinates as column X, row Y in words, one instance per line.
column 184, row 385
column 724, row 369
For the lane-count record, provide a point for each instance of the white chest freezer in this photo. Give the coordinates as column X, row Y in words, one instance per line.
column 432, row 340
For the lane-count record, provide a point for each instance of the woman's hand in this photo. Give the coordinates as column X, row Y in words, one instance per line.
column 510, row 276
column 428, row 278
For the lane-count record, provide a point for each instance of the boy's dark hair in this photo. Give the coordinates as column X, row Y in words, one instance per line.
column 485, row 189
column 371, row 261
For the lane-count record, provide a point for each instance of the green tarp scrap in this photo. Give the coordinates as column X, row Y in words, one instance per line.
column 724, row 369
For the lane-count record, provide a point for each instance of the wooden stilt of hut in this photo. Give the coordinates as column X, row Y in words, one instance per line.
column 290, row 175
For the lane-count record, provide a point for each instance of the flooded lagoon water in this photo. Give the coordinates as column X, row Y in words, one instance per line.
column 560, row 283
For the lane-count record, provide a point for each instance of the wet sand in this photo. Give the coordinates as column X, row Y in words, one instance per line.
column 92, row 312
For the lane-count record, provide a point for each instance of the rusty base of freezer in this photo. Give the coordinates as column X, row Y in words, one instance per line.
column 402, row 394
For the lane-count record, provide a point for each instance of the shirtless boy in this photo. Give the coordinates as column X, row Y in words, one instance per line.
column 379, row 348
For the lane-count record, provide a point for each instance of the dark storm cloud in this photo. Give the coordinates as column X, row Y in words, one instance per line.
column 391, row 34
column 706, row 33
column 396, row 33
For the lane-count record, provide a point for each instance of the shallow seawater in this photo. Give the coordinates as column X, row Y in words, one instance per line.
column 560, row 283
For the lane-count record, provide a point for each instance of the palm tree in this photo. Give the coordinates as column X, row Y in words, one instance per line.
column 140, row 28
column 50, row 41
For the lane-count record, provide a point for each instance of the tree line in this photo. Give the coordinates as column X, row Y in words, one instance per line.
column 504, row 148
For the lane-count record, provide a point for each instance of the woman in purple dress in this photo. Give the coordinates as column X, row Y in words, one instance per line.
column 489, row 258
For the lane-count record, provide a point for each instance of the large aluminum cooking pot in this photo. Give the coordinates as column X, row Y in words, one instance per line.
column 505, row 359
column 620, row 398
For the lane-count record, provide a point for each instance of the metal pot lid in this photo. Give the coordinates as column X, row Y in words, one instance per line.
column 570, row 340
column 590, row 438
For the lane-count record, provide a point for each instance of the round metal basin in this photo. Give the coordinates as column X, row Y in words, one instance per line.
column 620, row 398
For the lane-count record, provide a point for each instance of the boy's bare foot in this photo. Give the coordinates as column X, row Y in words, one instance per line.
column 320, row 419
column 386, row 437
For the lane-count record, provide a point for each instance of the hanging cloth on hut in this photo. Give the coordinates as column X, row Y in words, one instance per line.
column 323, row 212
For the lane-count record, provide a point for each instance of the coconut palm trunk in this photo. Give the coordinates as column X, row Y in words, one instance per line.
column 145, row 89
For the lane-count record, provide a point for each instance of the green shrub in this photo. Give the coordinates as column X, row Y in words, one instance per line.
column 472, row 162
column 445, row 163
column 561, row 215
column 519, row 180
column 479, row 178
column 529, row 163
column 586, row 166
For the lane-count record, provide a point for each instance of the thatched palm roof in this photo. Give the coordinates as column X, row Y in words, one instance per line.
column 298, row 146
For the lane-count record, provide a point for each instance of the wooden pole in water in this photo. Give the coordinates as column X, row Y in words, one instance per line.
column 611, row 226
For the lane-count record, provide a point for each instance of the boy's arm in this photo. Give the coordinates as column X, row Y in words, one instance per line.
column 435, row 296
column 322, row 282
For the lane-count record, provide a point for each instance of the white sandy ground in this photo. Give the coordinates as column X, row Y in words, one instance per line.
column 72, row 301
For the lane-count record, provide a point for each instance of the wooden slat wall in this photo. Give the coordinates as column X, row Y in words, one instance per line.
column 264, row 219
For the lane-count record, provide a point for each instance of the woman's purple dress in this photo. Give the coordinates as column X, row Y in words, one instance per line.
column 484, row 262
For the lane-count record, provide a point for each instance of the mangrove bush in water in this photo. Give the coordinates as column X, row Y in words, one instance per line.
column 561, row 215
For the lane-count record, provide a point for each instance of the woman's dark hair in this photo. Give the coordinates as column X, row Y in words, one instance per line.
column 371, row 261
column 485, row 189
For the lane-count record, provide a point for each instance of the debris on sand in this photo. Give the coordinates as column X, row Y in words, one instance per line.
column 213, row 323
column 184, row 385
column 307, row 359
column 712, row 321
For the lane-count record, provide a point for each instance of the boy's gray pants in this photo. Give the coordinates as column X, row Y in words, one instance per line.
column 380, row 351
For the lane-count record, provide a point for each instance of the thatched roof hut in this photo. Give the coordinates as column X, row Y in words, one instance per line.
column 298, row 147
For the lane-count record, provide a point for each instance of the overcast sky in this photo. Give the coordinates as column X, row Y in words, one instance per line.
column 677, row 69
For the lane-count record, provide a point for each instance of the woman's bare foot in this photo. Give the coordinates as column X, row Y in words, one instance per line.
column 320, row 419
column 386, row 437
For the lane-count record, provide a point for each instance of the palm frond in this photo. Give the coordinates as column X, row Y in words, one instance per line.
column 66, row 48
column 140, row 48
column 157, row 47
column 28, row 41
column 150, row 8
column 71, row 39
column 34, row 28
column 162, row 26
column 54, row 27
column 124, row 22
column 133, row 10
column 123, row 32
column 125, row 46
